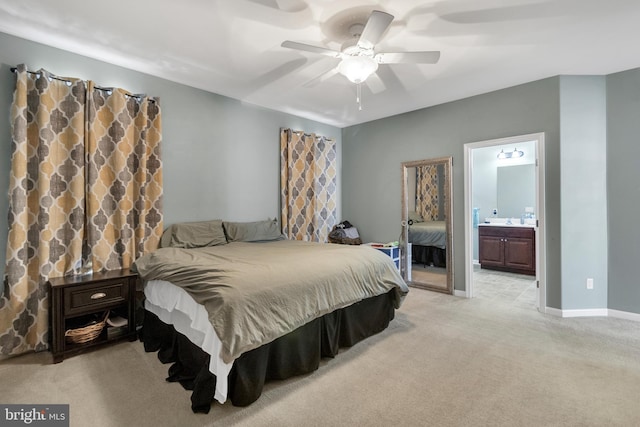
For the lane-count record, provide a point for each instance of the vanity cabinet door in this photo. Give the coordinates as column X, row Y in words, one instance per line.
column 519, row 253
column 510, row 249
column 491, row 251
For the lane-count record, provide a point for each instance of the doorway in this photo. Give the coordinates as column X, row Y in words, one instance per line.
column 521, row 210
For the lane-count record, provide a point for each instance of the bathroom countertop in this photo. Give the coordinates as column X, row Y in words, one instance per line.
column 504, row 224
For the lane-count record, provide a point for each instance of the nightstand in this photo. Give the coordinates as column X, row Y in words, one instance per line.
column 77, row 299
column 392, row 251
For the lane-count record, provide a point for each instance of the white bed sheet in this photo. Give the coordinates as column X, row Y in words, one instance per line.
column 173, row 305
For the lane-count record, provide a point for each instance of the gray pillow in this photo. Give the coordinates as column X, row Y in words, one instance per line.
column 194, row 235
column 259, row 231
column 415, row 216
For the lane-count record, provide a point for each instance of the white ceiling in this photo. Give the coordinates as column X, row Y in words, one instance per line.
column 232, row 47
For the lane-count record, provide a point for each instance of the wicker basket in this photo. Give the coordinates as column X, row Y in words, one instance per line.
column 338, row 236
column 346, row 241
column 86, row 333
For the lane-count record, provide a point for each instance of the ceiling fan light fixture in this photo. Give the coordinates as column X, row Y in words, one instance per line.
column 357, row 68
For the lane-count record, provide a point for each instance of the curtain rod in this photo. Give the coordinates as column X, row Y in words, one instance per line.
column 15, row 70
column 68, row 82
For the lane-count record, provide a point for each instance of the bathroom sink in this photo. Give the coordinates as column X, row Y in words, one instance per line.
column 508, row 222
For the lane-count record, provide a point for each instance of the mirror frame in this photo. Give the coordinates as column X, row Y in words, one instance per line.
column 447, row 162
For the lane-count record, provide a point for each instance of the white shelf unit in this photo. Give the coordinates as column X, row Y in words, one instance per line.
column 391, row 251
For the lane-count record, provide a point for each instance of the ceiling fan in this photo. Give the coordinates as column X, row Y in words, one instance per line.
column 358, row 57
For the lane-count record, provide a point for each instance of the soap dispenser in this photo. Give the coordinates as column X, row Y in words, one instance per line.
column 528, row 212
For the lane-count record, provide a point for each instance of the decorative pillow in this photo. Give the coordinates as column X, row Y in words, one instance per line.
column 259, row 231
column 415, row 217
column 194, row 235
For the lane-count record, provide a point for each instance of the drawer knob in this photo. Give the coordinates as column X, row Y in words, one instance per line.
column 98, row 295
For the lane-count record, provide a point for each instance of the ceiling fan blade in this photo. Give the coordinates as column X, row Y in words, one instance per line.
column 375, row 83
column 310, row 48
column 321, row 78
column 374, row 29
column 427, row 57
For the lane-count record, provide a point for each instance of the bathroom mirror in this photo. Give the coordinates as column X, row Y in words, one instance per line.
column 516, row 190
column 427, row 217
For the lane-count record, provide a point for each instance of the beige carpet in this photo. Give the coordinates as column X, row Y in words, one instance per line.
column 444, row 361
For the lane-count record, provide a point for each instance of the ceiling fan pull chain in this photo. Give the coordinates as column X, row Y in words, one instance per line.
column 359, row 96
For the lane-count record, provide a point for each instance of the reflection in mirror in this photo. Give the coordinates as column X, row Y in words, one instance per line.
column 516, row 190
column 426, row 219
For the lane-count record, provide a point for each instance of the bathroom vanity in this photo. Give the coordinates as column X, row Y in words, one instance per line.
column 507, row 247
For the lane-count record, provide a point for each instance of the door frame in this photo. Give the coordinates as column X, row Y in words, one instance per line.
column 538, row 139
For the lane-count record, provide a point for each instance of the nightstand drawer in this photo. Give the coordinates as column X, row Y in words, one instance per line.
column 78, row 299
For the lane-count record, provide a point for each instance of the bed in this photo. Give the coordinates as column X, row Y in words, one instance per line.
column 428, row 242
column 234, row 305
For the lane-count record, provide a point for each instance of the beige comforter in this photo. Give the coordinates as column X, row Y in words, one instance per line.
column 257, row 292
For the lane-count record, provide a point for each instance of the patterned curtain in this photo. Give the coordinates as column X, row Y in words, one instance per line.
column 46, row 203
column 85, row 188
column 427, row 192
column 124, row 190
column 308, row 185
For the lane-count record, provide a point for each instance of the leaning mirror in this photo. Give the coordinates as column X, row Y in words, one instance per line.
column 426, row 221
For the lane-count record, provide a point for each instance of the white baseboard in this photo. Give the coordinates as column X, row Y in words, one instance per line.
column 588, row 312
column 593, row 312
column 624, row 315
column 553, row 311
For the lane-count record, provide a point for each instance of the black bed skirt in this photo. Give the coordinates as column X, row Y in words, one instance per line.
column 428, row 255
column 296, row 353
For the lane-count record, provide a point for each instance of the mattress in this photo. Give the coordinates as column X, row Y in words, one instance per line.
column 428, row 233
column 231, row 299
column 174, row 306
column 256, row 292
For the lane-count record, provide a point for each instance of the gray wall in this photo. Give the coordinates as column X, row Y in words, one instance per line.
column 583, row 191
column 592, row 177
column 623, row 190
column 374, row 151
column 221, row 161
column 221, row 156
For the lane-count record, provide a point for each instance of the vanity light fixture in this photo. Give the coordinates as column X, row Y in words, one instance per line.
column 510, row 154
